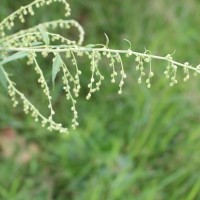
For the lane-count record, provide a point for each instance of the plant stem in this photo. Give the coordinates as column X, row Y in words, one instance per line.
column 56, row 49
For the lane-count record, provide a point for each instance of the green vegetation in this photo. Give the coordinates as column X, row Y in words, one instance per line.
column 141, row 145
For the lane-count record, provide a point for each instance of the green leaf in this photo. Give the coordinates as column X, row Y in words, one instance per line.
column 56, row 67
column 3, row 79
column 90, row 45
column 36, row 43
column 15, row 56
column 45, row 35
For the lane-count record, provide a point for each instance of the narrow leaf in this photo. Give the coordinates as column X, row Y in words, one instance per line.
column 3, row 79
column 94, row 46
column 36, row 43
column 15, row 56
column 90, row 45
column 57, row 62
column 45, row 35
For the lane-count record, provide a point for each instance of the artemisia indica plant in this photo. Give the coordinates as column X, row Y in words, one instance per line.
column 42, row 40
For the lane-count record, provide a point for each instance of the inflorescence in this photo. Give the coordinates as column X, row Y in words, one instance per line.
column 42, row 40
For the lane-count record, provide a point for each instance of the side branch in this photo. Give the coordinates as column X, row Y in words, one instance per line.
column 69, row 48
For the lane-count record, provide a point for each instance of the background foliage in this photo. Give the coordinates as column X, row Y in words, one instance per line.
column 144, row 144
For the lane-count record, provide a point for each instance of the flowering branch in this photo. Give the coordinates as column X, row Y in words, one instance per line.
column 42, row 40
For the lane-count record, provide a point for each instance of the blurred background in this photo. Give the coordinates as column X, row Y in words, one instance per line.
column 143, row 145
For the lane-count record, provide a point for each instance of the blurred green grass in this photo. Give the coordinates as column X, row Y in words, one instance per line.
column 142, row 145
